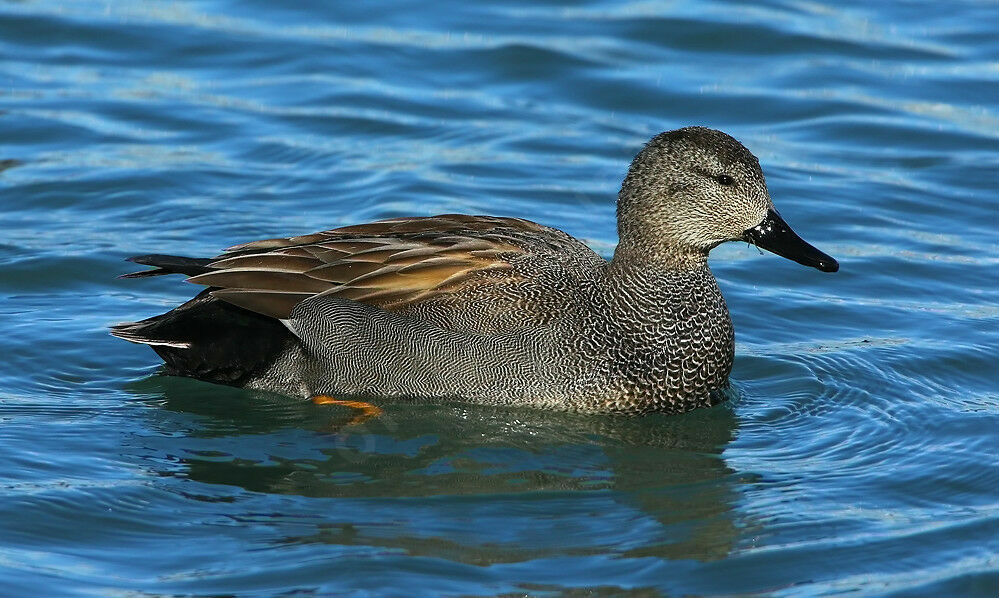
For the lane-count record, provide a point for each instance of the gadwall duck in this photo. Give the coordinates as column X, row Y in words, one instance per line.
column 488, row 309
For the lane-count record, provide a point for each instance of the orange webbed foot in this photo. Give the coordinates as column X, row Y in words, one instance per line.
column 365, row 411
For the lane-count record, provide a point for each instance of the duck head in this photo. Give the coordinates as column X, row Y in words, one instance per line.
column 690, row 190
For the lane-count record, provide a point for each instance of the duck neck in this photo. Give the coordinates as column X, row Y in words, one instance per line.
column 655, row 257
column 644, row 284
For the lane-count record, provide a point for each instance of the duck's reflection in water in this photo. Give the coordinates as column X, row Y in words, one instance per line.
column 468, row 483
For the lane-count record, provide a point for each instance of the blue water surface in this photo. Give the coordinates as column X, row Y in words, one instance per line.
column 859, row 457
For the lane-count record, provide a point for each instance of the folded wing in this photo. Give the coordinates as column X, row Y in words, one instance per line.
column 393, row 264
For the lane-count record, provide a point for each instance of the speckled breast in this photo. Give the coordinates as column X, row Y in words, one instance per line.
column 670, row 342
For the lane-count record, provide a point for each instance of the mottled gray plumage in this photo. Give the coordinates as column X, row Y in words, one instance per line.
column 494, row 310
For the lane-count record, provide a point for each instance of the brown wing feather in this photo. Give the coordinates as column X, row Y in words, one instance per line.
column 388, row 264
column 276, row 262
column 265, row 280
column 269, row 303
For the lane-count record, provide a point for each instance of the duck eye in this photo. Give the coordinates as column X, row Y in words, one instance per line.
column 724, row 179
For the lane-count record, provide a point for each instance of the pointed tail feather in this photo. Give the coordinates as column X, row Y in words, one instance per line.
column 169, row 264
column 133, row 333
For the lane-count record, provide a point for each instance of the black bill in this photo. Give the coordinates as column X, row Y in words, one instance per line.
column 773, row 234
